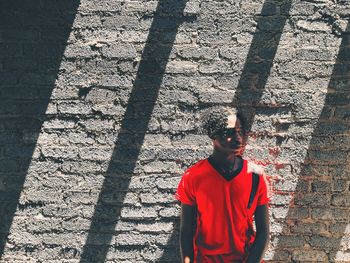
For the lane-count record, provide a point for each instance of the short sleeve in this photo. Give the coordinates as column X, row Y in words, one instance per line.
column 263, row 198
column 184, row 192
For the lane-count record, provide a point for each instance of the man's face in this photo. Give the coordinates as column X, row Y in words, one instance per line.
column 231, row 140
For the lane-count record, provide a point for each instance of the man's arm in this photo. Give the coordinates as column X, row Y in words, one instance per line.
column 261, row 241
column 187, row 230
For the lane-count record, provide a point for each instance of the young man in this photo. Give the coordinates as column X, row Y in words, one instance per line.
column 216, row 220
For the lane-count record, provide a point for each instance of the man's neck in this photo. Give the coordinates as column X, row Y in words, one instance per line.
column 225, row 162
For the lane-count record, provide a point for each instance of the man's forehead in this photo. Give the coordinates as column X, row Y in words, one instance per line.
column 231, row 121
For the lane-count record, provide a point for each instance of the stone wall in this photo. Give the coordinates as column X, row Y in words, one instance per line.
column 99, row 118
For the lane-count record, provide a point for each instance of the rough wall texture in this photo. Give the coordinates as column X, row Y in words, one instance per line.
column 99, row 109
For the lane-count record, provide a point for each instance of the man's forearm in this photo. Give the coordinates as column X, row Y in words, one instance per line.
column 258, row 248
column 186, row 247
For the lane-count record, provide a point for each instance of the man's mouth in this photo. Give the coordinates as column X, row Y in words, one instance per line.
column 235, row 146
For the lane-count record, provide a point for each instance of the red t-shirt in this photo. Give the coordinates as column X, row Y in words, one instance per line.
column 224, row 222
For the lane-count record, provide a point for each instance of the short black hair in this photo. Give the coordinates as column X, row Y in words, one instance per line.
column 214, row 120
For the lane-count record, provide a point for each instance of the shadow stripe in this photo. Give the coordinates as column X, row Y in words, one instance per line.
column 30, row 57
column 261, row 55
column 327, row 158
column 167, row 18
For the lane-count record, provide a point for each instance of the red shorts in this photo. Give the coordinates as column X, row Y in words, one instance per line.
column 223, row 258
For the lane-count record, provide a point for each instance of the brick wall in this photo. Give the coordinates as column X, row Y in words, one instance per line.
column 99, row 112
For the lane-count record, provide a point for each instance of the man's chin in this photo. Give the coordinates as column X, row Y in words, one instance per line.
column 234, row 151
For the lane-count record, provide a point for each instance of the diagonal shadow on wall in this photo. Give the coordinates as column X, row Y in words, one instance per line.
column 259, row 61
column 33, row 36
column 166, row 21
column 320, row 207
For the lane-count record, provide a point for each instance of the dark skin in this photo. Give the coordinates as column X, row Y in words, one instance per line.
column 187, row 230
column 227, row 150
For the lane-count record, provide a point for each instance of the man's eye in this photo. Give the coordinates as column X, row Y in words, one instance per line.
column 233, row 132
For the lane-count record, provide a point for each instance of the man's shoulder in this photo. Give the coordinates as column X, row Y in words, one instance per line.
column 265, row 181
column 198, row 165
column 254, row 168
column 196, row 168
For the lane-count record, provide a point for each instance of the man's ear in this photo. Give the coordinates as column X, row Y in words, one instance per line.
column 212, row 137
column 215, row 142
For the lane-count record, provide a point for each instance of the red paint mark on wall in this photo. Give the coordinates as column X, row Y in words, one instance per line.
column 275, row 151
column 270, row 180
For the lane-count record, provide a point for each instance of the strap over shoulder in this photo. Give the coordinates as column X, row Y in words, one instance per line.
column 255, row 183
